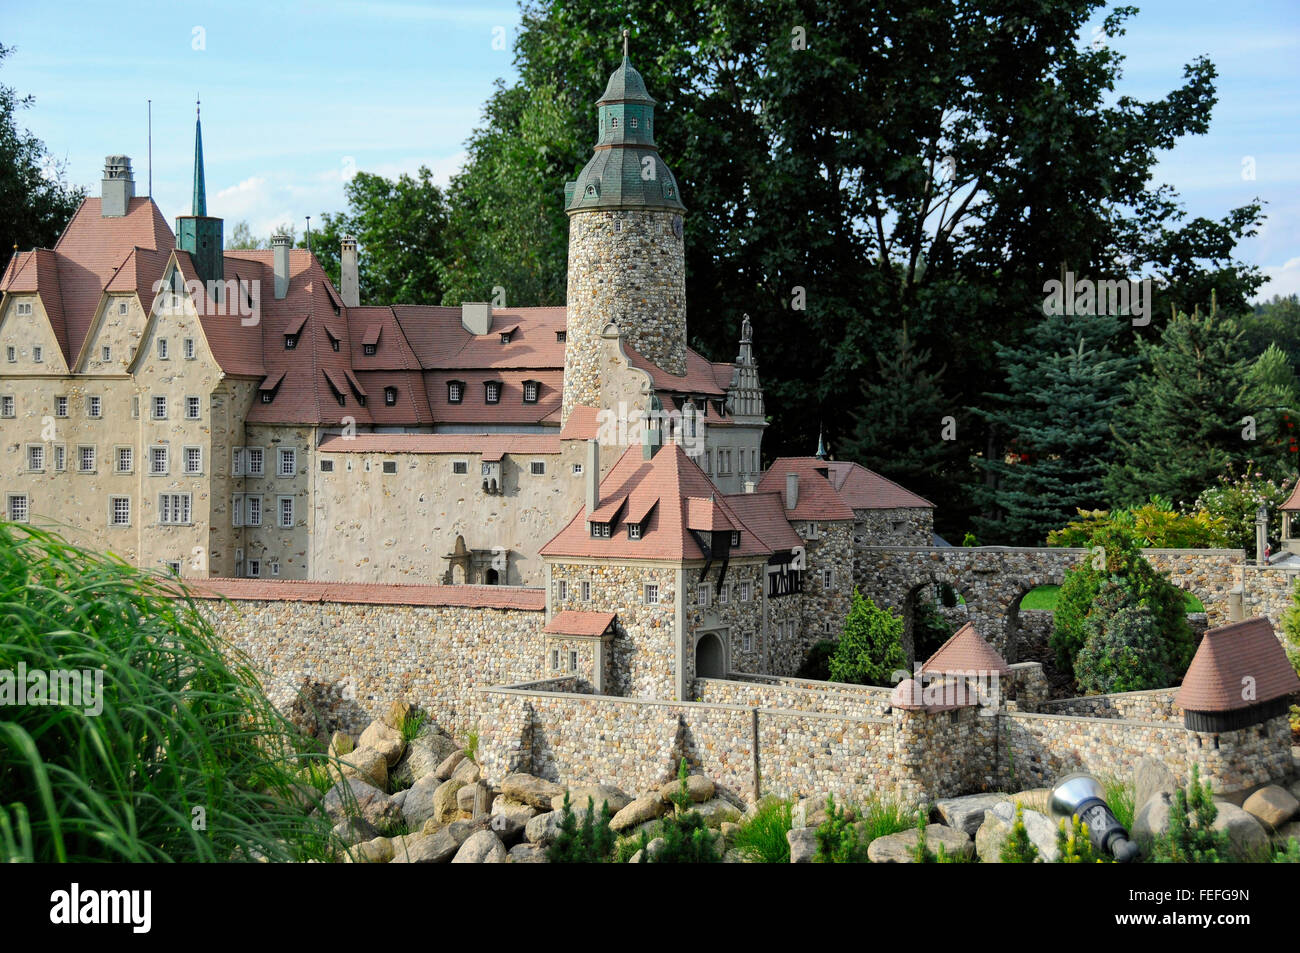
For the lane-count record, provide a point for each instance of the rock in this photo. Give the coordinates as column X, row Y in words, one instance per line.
column 367, row 764
column 543, row 828
column 442, row 846
column 698, row 787
column 340, row 744
column 355, row 797
column 738, row 857
column 403, row 843
column 1151, row 820
column 379, row 850
column 645, row 808
column 1284, row 833
column 599, row 794
column 396, row 715
column 508, row 805
column 509, row 827
column 997, row 827
column 1033, row 799
column 648, row 854
column 1151, row 777
column 1273, row 806
column 449, row 764
column 527, row 854
column 967, row 813
column 717, row 812
column 729, row 830
column 990, row 837
column 467, row 795
column 1246, row 836
column 444, row 800
column 418, row 807
column 387, row 741
column 425, row 753
column 354, row 830
column 482, row 847
column 803, row 844
column 532, row 791
column 897, row 848
column 466, row 771
column 399, row 798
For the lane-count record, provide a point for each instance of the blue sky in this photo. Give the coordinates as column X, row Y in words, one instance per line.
column 297, row 94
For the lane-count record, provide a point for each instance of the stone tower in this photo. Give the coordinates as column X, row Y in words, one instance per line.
column 626, row 254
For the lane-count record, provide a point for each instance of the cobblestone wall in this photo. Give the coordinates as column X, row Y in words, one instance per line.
column 1233, row 760
column 794, row 695
column 1156, row 705
column 1035, row 749
column 1266, row 591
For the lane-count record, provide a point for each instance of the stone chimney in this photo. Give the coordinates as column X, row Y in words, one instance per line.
column 592, row 472
column 348, row 286
column 280, row 263
column 118, row 187
column 791, row 490
column 476, row 316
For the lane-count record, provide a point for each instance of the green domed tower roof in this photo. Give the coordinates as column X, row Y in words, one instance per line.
column 626, row 170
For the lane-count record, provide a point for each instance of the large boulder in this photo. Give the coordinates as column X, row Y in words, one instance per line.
column 717, row 812
column 387, row 741
column 803, row 844
column 378, row 850
column 1151, row 777
column 648, row 807
column 599, row 794
column 1285, row 833
column 1033, row 799
column 1273, row 806
column 1151, row 820
column 449, row 764
column 365, row 763
column 397, row 714
column 543, row 828
column 1247, row 839
column 403, row 844
column 354, row 830
column 532, row 791
column 340, row 744
column 998, row 820
column 418, row 806
column 898, row 848
column 482, row 847
column 698, row 787
column 357, row 798
column 967, row 813
column 509, row 827
column 445, row 808
column 527, row 854
column 466, row 771
column 441, row 846
column 425, row 753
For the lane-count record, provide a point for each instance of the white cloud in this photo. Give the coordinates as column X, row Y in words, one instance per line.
column 1283, row 280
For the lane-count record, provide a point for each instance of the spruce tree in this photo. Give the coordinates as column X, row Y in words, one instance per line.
column 1181, row 423
column 1053, row 418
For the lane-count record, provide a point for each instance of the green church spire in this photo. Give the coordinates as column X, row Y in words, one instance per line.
column 200, row 192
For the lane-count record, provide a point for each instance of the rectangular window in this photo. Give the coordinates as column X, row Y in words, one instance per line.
column 120, row 510
column 555, row 660
column 125, row 459
column 94, row 406
column 651, row 593
column 256, row 461
column 86, row 459
column 7, row 405
column 600, row 531
column 703, row 595
column 237, row 510
column 24, row 308
column 121, row 307
column 135, row 408
column 455, row 392
column 288, row 462
column 60, row 458
column 746, row 592
column 191, row 408
column 254, row 568
column 286, row 512
column 584, row 590
column 162, row 349
column 174, row 508
column 18, row 508
column 573, row 661
column 369, row 349
column 577, row 469
column 11, row 354
column 38, row 354
column 36, row 456
column 538, row 468
column 188, row 348
column 159, row 408
column 193, row 460
column 724, row 594
column 253, row 511
column 562, row 591
column 460, row 466
column 157, row 461
column 275, row 567
column 828, row 578
column 492, row 392
column 174, row 567
column 105, row 353
column 390, row 466
column 747, row 642
column 60, row 406
column 530, row 392
column 633, row 530
column 327, row 466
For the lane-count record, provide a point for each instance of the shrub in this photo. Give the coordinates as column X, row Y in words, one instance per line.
column 1119, row 797
column 1122, row 653
column 1074, row 846
column 1018, row 848
column 188, row 760
column 871, row 648
column 1290, row 854
column 817, row 663
column 592, row 842
column 839, row 840
column 687, row 839
column 762, row 836
column 1155, row 523
column 881, row 817
column 1236, row 498
column 412, row 723
column 1191, row 838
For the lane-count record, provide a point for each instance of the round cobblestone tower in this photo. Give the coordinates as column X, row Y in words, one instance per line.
column 626, row 255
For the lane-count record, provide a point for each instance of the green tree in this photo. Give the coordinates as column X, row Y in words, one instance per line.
column 839, row 839
column 870, row 649
column 1074, row 843
column 591, row 842
column 241, row 237
column 1181, row 424
column 36, row 202
column 1063, row 384
column 1018, row 848
column 1123, row 650
column 1191, row 837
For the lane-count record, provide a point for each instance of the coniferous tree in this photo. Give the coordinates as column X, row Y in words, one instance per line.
column 1181, row 422
column 1062, row 387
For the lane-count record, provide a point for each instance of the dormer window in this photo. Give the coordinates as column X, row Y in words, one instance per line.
column 561, row 336
column 600, row 530
column 268, row 396
column 455, row 392
column 334, row 343
column 492, row 392
column 633, row 530
column 290, row 342
column 390, row 396
column 369, row 349
column 343, row 401
column 735, row 538
column 531, row 391
column 505, row 337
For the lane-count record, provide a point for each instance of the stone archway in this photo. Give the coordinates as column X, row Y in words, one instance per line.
column 710, row 656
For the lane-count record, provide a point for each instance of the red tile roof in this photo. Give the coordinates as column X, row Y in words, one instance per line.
column 700, row 377
column 818, row 499
column 909, row 695
column 487, row 444
column 573, row 622
column 483, row 597
column 669, row 479
column 1293, row 501
column 764, row 513
column 510, row 409
column 865, row 489
column 706, row 515
column 966, row 651
column 1231, row 659
column 583, row 423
